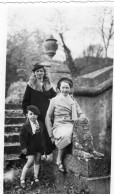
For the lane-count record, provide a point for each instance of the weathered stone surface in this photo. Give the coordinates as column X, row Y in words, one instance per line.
column 93, row 91
column 13, row 128
column 74, row 183
column 14, row 113
column 14, row 120
column 88, row 167
column 99, row 185
column 12, row 137
column 95, row 78
column 12, row 148
column 12, row 106
column 99, row 111
column 13, row 161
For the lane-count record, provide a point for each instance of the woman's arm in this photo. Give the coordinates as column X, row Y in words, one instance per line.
column 26, row 99
column 49, row 116
column 53, row 93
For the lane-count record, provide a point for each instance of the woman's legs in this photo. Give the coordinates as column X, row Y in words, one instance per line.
column 26, row 167
column 60, row 155
column 37, row 165
column 60, row 159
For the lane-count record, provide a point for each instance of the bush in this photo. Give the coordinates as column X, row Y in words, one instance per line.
column 15, row 92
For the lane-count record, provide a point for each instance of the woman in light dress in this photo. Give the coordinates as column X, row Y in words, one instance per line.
column 63, row 111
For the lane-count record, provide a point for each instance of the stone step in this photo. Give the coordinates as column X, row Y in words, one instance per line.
column 13, row 161
column 13, row 128
column 14, row 120
column 14, row 113
column 11, row 137
column 12, row 148
column 13, row 106
column 94, row 167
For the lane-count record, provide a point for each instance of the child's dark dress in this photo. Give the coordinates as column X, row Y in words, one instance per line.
column 35, row 144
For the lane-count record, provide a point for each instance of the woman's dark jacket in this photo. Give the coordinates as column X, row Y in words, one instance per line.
column 26, row 133
column 37, row 98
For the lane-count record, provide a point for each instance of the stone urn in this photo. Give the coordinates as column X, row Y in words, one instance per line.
column 51, row 46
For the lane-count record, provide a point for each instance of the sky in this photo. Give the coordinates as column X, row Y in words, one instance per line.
column 80, row 20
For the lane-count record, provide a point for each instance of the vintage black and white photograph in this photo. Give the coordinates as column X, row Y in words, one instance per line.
column 58, row 98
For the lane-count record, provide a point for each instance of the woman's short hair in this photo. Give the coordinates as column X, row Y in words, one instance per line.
column 64, row 79
column 38, row 66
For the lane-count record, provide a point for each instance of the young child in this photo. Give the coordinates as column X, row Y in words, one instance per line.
column 63, row 111
column 32, row 143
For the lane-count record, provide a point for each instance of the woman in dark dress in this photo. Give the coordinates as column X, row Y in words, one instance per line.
column 38, row 93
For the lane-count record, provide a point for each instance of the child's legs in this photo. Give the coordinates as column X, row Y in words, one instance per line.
column 29, row 163
column 60, row 155
column 37, row 164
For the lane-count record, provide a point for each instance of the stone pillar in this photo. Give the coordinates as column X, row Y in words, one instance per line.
column 90, row 168
column 56, row 70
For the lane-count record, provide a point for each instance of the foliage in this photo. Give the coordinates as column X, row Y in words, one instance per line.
column 85, row 65
column 105, row 27
column 23, row 50
column 93, row 51
column 15, row 92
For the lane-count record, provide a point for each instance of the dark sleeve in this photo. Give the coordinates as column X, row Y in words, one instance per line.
column 43, row 136
column 26, row 99
column 22, row 137
column 52, row 93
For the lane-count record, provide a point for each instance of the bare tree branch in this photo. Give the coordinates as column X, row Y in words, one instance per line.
column 107, row 33
column 60, row 28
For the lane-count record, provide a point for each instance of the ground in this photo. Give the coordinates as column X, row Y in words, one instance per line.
column 46, row 183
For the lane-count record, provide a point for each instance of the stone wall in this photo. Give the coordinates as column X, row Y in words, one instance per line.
column 99, row 111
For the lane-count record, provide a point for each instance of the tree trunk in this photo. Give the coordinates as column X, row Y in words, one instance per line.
column 69, row 59
column 106, row 52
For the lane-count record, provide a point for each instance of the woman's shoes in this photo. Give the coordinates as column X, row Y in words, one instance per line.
column 60, row 165
column 61, row 168
column 22, row 184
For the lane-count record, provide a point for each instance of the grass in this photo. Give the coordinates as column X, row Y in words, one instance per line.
column 47, row 184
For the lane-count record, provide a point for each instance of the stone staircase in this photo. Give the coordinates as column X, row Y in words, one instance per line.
column 14, row 119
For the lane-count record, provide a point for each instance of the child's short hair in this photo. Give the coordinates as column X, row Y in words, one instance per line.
column 34, row 109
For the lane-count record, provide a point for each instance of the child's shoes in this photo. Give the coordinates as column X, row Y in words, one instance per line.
column 35, row 182
column 22, row 184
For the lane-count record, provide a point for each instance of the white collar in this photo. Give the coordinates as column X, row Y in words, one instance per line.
column 33, row 126
column 65, row 97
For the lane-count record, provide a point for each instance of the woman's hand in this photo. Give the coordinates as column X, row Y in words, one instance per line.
column 52, row 139
column 82, row 120
column 24, row 151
